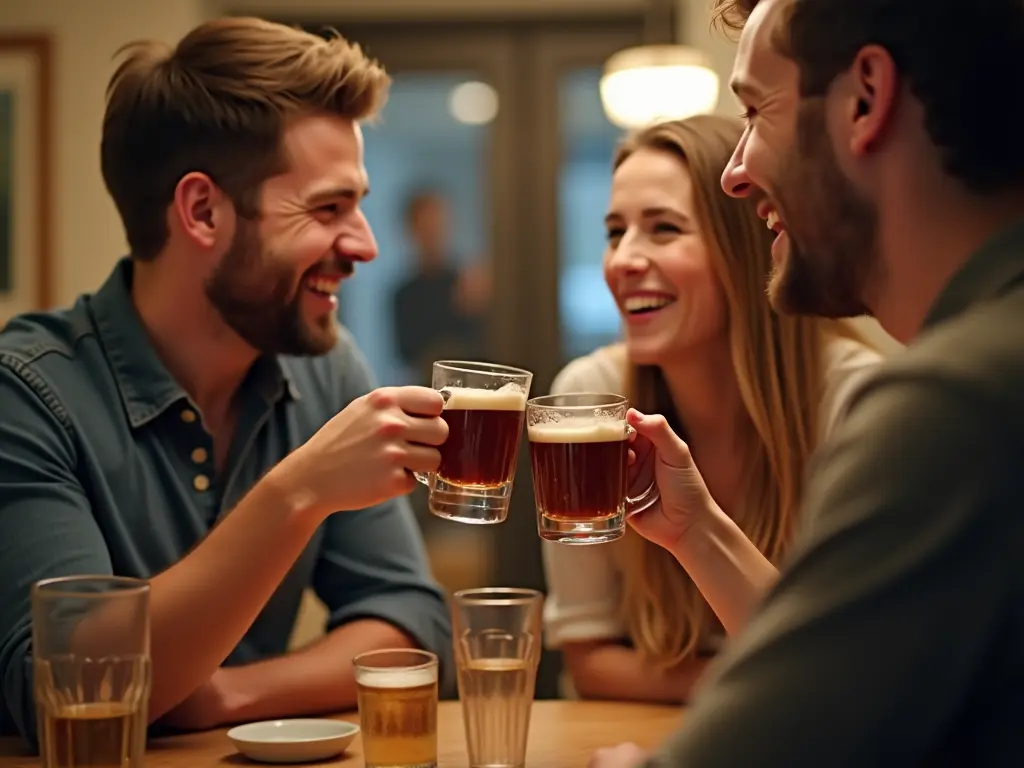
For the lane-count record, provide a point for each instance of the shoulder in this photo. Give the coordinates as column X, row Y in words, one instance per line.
column 846, row 365
column 29, row 337
column 602, row 370
column 946, row 412
column 56, row 355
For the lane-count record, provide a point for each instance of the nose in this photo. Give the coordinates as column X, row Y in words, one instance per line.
column 628, row 257
column 357, row 242
column 735, row 181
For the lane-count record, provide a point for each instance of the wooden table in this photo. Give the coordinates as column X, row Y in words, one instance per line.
column 562, row 734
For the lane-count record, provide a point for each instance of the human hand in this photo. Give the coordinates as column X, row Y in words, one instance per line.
column 367, row 453
column 684, row 497
column 626, row 755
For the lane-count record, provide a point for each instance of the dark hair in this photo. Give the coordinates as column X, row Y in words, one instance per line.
column 957, row 56
column 418, row 200
column 219, row 103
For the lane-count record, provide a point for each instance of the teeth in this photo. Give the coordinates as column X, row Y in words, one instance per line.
column 772, row 220
column 323, row 284
column 638, row 303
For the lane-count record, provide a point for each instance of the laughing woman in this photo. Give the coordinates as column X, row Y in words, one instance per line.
column 751, row 392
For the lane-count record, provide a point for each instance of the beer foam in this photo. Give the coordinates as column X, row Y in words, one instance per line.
column 402, row 678
column 578, row 431
column 468, row 399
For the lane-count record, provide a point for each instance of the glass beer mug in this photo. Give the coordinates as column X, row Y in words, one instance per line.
column 484, row 407
column 579, row 451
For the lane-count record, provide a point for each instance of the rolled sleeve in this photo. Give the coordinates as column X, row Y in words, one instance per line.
column 373, row 564
column 47, row 530
column 876, row 635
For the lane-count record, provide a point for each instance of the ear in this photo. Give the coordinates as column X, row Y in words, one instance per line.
column 873, row 82
column 201, row 209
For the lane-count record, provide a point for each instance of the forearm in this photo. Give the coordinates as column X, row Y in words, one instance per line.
column 611, row 671
column 730, row 572
column 202, row 606
column 314, row 680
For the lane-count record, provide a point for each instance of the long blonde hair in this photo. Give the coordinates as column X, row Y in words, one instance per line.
column 778, row 364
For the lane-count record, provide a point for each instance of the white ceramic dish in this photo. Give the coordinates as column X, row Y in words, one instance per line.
column 293, row 741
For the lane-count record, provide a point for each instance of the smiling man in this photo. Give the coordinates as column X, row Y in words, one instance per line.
column 200, row 419
column 882, row 143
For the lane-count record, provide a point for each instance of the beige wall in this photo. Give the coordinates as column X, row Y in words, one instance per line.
column 87, row 232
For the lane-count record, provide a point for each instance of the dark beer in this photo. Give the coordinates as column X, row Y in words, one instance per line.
column 579, row 469
column 484, row 428
column 398, row 717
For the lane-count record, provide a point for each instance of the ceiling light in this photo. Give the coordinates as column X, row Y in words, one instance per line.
column 653, row 83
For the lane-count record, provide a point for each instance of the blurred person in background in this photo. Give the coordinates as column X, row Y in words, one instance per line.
column 753, row 393
column 199, row 420
column 438, row 308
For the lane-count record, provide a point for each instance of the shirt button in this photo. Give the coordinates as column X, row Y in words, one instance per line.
column 199, row 455
column 201, row 483
column 188, row 416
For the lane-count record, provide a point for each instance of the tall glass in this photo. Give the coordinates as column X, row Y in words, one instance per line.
column 497, row 649
column 397, row 698
column 579, row 447
column 91, row 665
column 484, row 406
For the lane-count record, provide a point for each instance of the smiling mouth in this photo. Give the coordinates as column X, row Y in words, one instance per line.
column 322, row 285
column 774, row 223
column 645, row 305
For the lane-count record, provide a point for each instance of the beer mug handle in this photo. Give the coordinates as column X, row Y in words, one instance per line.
column 424, row 477
column 650, row 495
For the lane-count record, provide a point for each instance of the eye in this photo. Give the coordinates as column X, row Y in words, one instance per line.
column 615, row 234
column 326, row 212
column 663, row 230
column 748, row 114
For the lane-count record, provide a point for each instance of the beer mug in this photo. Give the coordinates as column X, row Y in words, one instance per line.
column 484, row 405
column 579, row 447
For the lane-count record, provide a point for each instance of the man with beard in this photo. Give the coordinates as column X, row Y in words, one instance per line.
column 200, row 419
column 895, row 635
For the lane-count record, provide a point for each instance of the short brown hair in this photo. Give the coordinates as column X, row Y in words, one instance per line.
column 219, row 103
column 953, row 55
column 732, row 14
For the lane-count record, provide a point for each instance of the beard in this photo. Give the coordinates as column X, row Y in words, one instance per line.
column 262, row 304
column 832, row 230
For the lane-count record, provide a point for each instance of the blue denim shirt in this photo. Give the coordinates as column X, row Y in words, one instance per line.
column 106, row 468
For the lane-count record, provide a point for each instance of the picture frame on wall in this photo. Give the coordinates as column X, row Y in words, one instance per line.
column 26, row 130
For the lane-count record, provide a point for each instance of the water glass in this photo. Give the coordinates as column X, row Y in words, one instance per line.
column 91, row 670
column 497, row 650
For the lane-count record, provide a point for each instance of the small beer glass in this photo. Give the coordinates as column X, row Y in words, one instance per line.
column 397, row 698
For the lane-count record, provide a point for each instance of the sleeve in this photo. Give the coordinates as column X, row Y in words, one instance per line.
column 47, row 530
column 877, row 632
column 583, row 582
column 373, row 562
